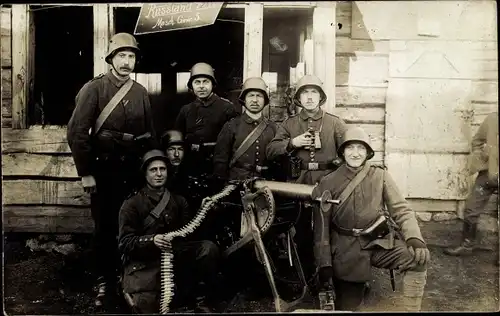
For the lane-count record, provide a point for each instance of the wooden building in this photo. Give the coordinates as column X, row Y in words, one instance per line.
column 418, row 76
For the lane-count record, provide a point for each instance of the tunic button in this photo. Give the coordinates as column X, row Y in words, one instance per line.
column 257, row 147
column 257, row 153
column 134, row 268
column 257, row 141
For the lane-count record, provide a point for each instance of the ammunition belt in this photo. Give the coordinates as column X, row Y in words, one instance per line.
column 317, row 166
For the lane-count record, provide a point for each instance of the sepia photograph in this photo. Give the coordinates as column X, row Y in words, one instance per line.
column 250, row 157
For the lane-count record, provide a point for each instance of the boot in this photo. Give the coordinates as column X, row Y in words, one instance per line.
column 469, row 241
column 413, row 290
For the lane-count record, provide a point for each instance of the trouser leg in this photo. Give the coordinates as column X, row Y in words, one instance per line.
column 348, row 295
column 414, row 278
column 477, row 200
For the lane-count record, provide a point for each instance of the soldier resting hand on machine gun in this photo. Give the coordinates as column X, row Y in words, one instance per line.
column 360, row 233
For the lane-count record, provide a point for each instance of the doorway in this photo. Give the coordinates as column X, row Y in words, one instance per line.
column 171, row 54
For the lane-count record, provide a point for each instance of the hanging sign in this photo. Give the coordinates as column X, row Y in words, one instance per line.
column 162, row 17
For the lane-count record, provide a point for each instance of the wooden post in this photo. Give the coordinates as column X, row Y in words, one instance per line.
column 252, row 59
column 101, row 38
column 324, row 29
column 20, row 80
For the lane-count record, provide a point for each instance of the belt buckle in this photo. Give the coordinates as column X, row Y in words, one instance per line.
column 357, row 232
column 313, row 166
column 195, row 147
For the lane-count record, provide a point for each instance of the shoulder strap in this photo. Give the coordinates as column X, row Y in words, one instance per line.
column 112, row 104
column 351, row 186
column 248, row 141
column 156, row 212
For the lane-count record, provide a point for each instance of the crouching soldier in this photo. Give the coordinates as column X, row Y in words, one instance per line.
column 359, row 233
column 144, row 219
column 310, row 141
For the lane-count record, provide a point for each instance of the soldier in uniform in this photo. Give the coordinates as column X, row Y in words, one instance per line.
column 310, row 141
column 201, row 120
column 173, row 144
column 107, row 150
column 240, row 154
column 141, row 243
column 484, row 161
column 345, row 248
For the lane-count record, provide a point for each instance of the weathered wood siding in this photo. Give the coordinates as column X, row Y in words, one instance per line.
column 6, row 63
column 442, row 81
column 361, row 67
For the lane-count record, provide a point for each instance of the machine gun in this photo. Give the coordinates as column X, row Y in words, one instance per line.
column 251, row 190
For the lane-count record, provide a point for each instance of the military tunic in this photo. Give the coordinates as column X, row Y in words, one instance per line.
column 132, row 115
column 193, row 260
column 349, row 255
column 331, row 130
column 230, row 138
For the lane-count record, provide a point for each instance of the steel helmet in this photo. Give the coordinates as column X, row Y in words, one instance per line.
column 121, row 41
column 254, row 83
column 154, row 154
column 172, row 137
column 356, row 134
column 309, row 80
column 201, row 70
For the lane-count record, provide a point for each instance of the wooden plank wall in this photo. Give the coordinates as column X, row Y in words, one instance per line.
column 442, row 82
column 6, row 63
column 361, row 79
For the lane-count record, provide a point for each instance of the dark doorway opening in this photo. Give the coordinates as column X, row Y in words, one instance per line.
column 174, row 52
column 64, row 61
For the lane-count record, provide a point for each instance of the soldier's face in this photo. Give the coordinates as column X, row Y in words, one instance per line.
column 124, row 62
column 202, row 87
column 355, row 154
column 309, row 98
column 156, row 173
column 254, row 101
column 175, row 154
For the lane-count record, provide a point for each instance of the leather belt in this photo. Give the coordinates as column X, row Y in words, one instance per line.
column 317, row 166
column 256, row 168
column 105, row 133
column 356, row 232
column 197, row 147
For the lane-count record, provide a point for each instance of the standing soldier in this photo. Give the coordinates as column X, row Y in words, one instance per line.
column 173, row 143
column 201, row 120
column 360, row 233
column 108, row 132
column 240, row 152
column 310, row 140
column 484, row 161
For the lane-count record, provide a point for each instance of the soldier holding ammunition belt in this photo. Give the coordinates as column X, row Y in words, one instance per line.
column 109, row 130
column 310, row 140
column 360, row 233
column 142, row 239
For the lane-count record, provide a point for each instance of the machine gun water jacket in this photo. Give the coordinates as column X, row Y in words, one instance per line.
column 350, row 256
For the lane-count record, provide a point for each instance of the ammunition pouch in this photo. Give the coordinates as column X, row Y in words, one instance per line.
column 376, row 230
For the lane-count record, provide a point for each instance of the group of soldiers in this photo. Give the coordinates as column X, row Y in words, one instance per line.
column 141, row 187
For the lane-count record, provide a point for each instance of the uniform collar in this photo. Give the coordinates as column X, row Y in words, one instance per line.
column 209, row 101
column 114, row 80
column 250, row 120
column 303, row 115
column 154, row 195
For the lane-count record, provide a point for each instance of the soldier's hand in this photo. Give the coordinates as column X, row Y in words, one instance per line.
column 205, row 201
column 302, row 140
column 89, row 185
column 163, row 242
column 419, row 251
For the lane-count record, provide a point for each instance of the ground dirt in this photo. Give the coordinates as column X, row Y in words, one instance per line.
column 49, row 283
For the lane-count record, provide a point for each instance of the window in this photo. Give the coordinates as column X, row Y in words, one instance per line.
column 63, row 56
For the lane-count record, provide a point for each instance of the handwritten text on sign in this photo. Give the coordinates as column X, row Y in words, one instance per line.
column 160, row 17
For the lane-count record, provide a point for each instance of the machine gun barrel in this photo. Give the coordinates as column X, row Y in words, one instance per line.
column 286, row 189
